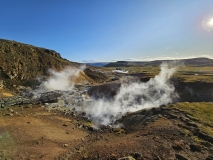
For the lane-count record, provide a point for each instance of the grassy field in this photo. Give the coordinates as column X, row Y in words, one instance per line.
column 185, row 73
column 201, row 111
column 6, row 143
column 195, row 73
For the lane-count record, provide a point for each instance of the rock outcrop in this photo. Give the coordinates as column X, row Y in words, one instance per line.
column 71, row 99
column 30, row 99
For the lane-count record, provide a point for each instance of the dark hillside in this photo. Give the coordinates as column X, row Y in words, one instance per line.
column 189, row 62
column 199, row 62
column 98, row 64
column 21, row 63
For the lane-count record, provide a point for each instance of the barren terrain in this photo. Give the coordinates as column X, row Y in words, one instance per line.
column 174, row 123
column 32, row 132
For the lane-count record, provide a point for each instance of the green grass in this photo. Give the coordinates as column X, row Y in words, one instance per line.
column 194, row 73
column 201, row 111
column 6, row 146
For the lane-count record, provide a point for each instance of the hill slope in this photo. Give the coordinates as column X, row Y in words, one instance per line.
column 21, row 63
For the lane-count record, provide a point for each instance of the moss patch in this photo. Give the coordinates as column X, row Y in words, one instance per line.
column 201, row 111
column 6, row 145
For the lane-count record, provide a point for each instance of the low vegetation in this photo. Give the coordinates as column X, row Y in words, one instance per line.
column 201, row 111
column 183, row 130
column 184, row 73
column 5, row 145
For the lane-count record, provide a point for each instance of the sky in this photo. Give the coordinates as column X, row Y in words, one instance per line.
column 112, row 30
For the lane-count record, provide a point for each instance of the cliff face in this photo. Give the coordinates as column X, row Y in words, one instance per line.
column 22, row 63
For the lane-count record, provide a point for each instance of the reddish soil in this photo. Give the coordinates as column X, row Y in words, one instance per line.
column 34, row 133
column 38, row 133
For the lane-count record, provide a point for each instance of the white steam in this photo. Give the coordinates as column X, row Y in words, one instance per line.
column 63, row 80
column 120, row 71
column 133, row 97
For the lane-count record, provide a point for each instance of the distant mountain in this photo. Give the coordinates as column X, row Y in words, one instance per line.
column 98, row 64
column 202, row 61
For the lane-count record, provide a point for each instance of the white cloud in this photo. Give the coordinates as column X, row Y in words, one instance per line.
column 148, row 58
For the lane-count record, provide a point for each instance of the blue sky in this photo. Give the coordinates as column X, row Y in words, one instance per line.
column 107, row 30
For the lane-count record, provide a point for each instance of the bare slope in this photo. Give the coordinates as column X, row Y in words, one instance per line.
column 22, row 63
column 169, row 132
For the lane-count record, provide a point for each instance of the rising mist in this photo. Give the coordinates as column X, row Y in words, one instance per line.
column 133, row 97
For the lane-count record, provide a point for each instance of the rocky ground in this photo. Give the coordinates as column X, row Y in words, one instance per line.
column 35, row 132
column 48, row 126
column 36, row 127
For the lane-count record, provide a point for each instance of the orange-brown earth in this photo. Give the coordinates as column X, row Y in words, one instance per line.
column 33, row 132
column 4, row 93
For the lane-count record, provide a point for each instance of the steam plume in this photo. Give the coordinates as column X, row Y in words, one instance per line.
column 133, row 97
column 63, row 80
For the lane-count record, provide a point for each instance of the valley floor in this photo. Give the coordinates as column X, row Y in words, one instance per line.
column 33, row 132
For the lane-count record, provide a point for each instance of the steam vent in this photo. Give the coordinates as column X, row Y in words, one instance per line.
column 82, row 112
